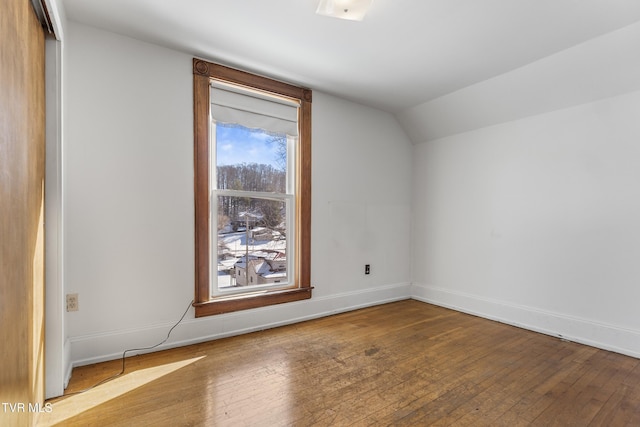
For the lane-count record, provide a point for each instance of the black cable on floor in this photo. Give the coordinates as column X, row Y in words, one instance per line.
column 124, row 354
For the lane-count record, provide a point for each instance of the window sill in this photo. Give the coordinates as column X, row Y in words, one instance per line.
column 236, row 303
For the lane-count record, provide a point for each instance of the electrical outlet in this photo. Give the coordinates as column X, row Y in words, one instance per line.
column 367, row 269
column 72, row 302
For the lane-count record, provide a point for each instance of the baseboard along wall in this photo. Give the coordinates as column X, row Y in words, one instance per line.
column 583, row 331
column 96, row 348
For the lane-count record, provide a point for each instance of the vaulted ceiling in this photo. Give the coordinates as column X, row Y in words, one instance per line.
column 404, row 53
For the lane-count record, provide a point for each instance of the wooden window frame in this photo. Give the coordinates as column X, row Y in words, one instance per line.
column 204, row 304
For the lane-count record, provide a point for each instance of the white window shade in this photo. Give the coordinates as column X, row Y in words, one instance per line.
column 235, row 105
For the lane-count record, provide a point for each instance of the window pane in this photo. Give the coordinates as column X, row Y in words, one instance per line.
column 250, row 159
column 253, row 229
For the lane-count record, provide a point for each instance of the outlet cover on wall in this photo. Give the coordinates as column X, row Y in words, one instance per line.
column 72, row 302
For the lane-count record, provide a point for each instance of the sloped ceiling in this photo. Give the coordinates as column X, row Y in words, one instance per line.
column 403, row 54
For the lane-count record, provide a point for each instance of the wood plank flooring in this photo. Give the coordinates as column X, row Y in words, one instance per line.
column 406, row 363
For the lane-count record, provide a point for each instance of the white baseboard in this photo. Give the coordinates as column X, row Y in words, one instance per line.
column 109, row 346
column 583, row 331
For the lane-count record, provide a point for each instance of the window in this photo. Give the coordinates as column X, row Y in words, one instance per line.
column 252, row 156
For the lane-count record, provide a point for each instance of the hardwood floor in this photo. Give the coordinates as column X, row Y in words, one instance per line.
column 404, row 363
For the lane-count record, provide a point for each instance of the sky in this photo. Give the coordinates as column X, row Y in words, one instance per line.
column 237, row 145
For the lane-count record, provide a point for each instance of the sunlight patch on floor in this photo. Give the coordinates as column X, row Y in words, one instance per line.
column 76, row 404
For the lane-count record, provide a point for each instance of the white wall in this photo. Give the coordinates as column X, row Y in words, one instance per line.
column 535, row 221
column 128, row 179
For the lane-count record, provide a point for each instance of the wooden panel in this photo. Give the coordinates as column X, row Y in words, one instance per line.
column 201, row 185
column 404, row 363
column 246, row 302
column 21, row 211
column 303, row 244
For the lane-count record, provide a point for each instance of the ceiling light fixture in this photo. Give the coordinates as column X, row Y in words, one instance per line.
column 353, row 10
